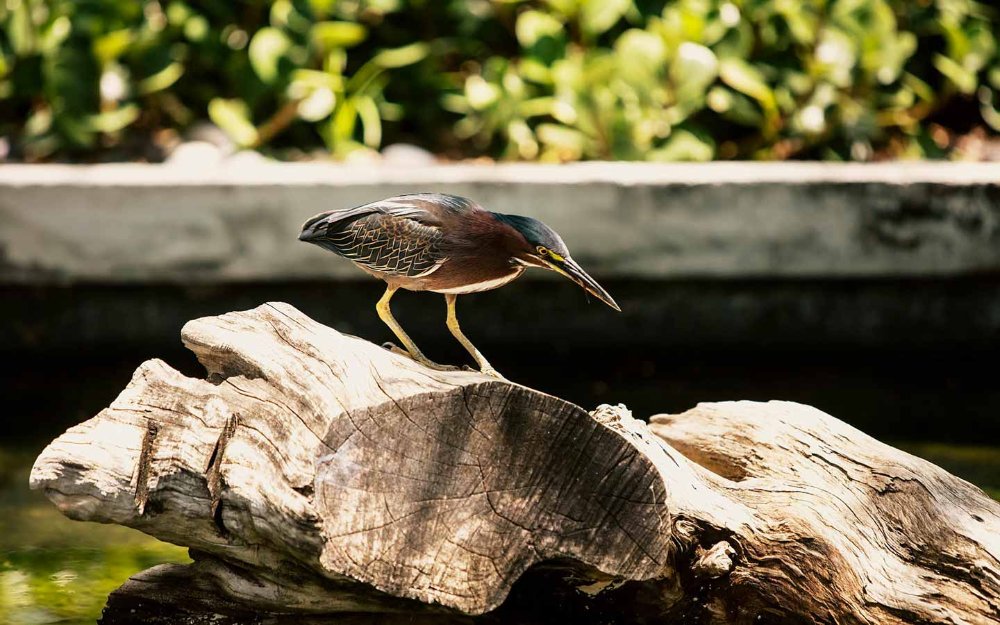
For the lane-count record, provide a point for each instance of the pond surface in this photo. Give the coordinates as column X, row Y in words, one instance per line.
column 53, row 570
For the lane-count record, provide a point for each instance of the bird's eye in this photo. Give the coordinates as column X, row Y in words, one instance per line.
column 544, row 251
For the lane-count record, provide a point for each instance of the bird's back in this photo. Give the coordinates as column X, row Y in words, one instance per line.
column 399, row 237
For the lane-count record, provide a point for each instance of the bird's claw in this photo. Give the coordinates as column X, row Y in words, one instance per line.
column 490, row 371
column 430, row 364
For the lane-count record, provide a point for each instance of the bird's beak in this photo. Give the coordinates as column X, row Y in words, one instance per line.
column 574, row 272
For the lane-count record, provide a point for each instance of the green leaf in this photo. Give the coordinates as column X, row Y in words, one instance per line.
column 331, row 35
column 534, row 25
column 636, row 46
column 684, row 145
column 598, row 16
column 266, row 49
column 233, row 117
column 113, row 121
column 403, row 56
column 196, row 28
column 161, row 79
column 343, row 122
column 21, row 30
column 112, row 45
column 317, row 105
column 958, row 75
column 562, row 143
column 371, row 121
column 994, row 77
column 480, row 93
column 315, row 79
column 75, row 129
column 990, row 114
column 693, row 69
column 56, row 34
column 747, row 79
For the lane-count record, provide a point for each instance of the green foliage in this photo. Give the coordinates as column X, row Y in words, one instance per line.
column 552, row 80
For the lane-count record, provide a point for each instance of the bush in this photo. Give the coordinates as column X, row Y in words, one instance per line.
column 553, row 80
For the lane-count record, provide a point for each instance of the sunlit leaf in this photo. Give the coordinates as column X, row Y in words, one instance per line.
column 480, row 93
column 317, row 105
column 597, row 16
column 331, row 35
column 533, row 25
column 344, row 121
column 962, row 78
column 196, row 28
column 401, row 57
column 113, row 121
column 371, row 121
column 266, row 48
column 21, row 30
column 693, row 69
column 56, row 33
column 684, row 146
column 987, row 108
column 747, row 79
column 640, row 47
column 112, row 45
column 161, row 79
column 233, row 117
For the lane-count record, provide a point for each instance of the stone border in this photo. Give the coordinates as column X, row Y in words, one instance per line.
column 237, row 220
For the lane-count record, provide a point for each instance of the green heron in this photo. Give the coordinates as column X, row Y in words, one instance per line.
column 445, row 244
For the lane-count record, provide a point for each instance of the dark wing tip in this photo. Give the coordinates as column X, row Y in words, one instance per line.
column 315, row 227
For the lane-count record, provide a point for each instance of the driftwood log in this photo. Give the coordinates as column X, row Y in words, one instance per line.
column 315, row 473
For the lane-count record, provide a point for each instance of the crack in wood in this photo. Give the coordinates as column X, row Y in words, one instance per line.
column 213, row 472
column 143, row 467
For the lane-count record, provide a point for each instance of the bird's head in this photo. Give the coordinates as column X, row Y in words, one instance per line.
column 543, row 247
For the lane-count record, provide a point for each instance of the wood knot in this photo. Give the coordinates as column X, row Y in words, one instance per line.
column 611, row 415
column 713, row 562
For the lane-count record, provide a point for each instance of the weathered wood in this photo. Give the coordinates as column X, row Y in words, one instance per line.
column 314, row 472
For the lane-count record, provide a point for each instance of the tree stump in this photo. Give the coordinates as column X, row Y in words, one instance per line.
column 316, row 473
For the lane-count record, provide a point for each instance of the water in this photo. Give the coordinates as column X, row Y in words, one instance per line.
column 53, row 570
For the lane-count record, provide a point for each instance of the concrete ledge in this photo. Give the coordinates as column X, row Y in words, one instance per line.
column 238, row 221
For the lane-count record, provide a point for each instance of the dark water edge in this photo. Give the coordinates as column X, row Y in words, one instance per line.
column 945, row 396
column 907, row 359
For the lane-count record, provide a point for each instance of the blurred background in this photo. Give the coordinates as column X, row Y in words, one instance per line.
column 816, row 216
column 554, row 80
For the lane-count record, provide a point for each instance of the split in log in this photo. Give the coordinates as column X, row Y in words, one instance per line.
column 315, row 473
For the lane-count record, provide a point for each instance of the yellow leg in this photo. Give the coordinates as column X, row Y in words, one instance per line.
column 385, row 314
column 456, row 331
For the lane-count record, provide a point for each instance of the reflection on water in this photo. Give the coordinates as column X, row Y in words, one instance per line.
column 53, row 570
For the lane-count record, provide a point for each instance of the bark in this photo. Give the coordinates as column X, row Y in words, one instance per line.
column 313, row 473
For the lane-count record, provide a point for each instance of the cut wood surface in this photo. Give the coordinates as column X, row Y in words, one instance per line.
column 314, row 472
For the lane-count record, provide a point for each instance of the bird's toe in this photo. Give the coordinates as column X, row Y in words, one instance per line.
column 396, row 349
column 490, row 371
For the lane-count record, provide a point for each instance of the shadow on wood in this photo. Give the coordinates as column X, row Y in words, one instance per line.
column 314, row 473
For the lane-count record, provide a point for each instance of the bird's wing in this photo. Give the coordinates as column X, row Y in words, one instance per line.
column 391, row 237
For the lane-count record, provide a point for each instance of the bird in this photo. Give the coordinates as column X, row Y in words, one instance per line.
column 444, row 244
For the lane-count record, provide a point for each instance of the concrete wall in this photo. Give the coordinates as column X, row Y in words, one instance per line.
column 238, row 221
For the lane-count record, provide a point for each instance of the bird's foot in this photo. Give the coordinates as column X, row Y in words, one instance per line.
column 430, row 364
column 490, row 371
